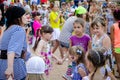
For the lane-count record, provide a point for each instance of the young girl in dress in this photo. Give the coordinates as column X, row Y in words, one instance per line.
column 77, row 53
column 43, row 47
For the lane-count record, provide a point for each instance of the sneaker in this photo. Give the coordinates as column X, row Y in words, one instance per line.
column 67, row 77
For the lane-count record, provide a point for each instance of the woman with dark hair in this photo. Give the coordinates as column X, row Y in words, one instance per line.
column 13, row 45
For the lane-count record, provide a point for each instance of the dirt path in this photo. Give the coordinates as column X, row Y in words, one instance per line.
column 58, row 70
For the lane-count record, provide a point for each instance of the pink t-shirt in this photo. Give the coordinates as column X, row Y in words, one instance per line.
column 36, row 25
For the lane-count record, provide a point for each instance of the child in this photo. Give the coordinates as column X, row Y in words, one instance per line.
column 36, row 24
column 77, row 53
column 115, row 38
column 43, row 47
column 79, row 39
column 101, row 39
column 36, row 71
column 95, row 60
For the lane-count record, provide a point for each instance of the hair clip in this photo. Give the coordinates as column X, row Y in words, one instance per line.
column 79, row 51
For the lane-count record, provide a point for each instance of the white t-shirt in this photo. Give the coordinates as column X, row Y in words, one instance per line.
column 35, row 65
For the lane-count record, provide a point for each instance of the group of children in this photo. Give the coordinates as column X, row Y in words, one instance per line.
column 89, row 54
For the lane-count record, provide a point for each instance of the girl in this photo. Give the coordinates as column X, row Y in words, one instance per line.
column 36, row 24
column 101, row 39
column 43, row 47
column 115, row 33
column 77, row 53
column 54, row 19
column 95, row 60
column 13, row 45
column 79, row 39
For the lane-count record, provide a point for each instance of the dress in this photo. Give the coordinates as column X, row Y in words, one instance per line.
column 46, row 53
column 14, row 40
column 76, row 75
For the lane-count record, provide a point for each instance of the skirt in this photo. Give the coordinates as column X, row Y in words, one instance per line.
column 55, row 34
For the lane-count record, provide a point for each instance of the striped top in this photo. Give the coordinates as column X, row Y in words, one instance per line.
column 67, row 30
column 14, row 40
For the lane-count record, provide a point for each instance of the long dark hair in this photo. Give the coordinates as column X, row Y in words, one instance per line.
column 2, row 22
column 97, row 58
column 116, row 15
column 44, row 29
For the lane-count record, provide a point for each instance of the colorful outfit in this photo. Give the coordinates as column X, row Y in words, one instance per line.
column 80, row 41
column 46, row 53
column 14, row 41
column 55, row 25
column 116, row 38
column 36, row 26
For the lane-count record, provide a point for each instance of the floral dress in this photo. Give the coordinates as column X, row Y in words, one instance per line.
column 46, row 53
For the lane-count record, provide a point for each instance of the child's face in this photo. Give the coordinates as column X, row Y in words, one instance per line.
column 47, row 36
column 78, row 28
column 97, row 30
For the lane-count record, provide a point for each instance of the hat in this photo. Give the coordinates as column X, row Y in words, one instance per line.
column 80, row 10
column 14, row 12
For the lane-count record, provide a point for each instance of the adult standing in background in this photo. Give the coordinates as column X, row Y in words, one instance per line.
column 13, row 45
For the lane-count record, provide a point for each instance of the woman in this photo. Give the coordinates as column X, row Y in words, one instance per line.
column 13, row 45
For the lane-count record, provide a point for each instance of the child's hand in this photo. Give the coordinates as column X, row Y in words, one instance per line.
column 59, row 62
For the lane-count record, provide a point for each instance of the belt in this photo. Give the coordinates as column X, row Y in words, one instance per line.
column 3, row 54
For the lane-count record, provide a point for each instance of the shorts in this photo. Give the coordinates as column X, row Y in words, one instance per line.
column 117, row 50
column 62, row 44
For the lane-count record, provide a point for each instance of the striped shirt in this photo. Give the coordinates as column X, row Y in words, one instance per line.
column 67, row 30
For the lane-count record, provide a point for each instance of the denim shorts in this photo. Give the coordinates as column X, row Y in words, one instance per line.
column 62, row 44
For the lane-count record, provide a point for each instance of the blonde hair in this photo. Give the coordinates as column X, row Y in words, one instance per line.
column 77, row 50
column 99, row 20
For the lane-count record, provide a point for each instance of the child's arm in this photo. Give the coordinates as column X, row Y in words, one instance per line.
column 111, row 76
column 89, row 45
column 107, row 43
column 82, row 72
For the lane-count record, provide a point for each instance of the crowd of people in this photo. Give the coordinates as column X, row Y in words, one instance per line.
column 86, row 33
